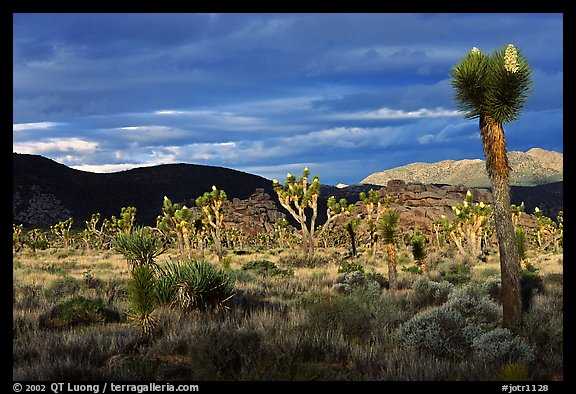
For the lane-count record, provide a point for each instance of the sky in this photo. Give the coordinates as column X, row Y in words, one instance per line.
column 344, row 94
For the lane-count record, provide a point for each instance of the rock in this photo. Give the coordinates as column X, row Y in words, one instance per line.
column 257, row 213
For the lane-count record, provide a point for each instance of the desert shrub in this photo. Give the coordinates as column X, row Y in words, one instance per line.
column 378, row 278
column 543, row 327
column 473, row 305
column 350, row 266
column 62, row 287
column 76, row 311
column 347, row 315
column 412, row 269
column 492, row 286
column 455, row 273
column 346, row 282
column 303, row 261
column 501, row 346
column 436, row 331
column 225, row 353
column 266, row 268
column 530, row 284
column 140, row 367
column 427, row 292
column 357, row 282
column 194, row 284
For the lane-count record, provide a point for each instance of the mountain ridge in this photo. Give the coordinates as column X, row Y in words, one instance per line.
column 531, row 168
column 46, row 192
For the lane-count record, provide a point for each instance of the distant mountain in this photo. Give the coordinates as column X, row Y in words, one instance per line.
column 46, row 192
column 531, row 168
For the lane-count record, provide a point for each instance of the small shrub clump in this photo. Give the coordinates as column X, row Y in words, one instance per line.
column 450, row 329
column 427, row 292
column 77, row 311
column 346, row 315
column 501, row 346
column 350, row 266
column 62, row 287
column 302, row 261
column 357, row 281
column 455, row 273
column 266, row 268
column 438, row 331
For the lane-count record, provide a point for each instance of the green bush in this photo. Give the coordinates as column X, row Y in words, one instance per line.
column 344, row 314
column 62, row 287
column 303, row 261
column 194, row 284
column 350, row 266
column 427, row 292
column 455, row 273
column 76, row 311
column 266, row 268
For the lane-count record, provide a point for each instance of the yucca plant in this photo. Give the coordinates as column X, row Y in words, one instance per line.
column 140, row 246
column 418, row 243
column 194, row 284
column 493, row 88
column 142, row 298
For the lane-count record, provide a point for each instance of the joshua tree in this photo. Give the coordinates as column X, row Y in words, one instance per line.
column 335, row 209
column 62, row 230
column 493, row 88
column 351, row 226
column 211, row 205
column 388, row 229
column 177, row 220
column 374, row 206
column 296, row 196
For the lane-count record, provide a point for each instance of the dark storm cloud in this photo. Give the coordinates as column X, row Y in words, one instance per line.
column 345, row 94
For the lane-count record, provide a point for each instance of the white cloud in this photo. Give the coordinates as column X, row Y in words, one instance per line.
column 32, row 126
column 76, row 145
column 347, row 137
column 385, row 113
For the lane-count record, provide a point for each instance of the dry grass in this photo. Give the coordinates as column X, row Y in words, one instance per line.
column 278, row 327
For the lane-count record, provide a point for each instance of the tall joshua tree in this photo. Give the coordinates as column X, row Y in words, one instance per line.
column 296, row 195
column 493, row 88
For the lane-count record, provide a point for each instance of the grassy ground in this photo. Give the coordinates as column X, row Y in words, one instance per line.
column 70, row 322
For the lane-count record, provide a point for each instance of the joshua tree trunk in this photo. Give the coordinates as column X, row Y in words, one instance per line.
column 392, row 273
column 498, row 170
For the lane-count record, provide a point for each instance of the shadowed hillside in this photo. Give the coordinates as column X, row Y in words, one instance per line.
column 45, row 192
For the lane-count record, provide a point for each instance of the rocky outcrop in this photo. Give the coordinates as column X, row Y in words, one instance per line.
column 257, row 213
column 37, row 208
column 419, row 205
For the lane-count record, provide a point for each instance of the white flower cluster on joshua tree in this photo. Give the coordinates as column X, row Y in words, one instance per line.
column 511, row 59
